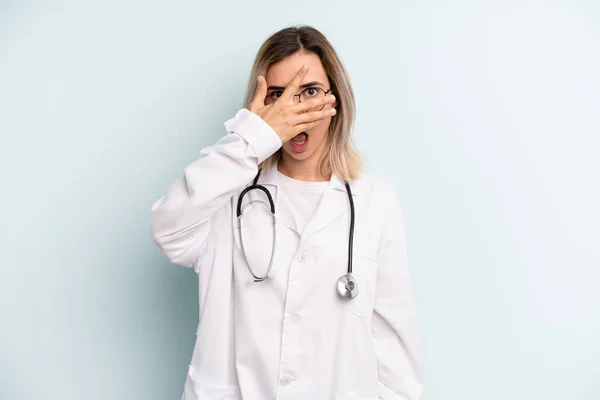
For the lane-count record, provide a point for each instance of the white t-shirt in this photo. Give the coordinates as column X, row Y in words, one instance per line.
column 304, row 197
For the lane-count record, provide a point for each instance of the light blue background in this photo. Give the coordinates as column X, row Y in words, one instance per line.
column 484, row 114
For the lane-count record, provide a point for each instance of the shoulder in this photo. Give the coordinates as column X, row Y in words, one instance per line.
column 376, row 187
column 379, row 194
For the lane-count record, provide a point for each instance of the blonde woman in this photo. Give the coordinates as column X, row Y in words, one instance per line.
column 304, row 287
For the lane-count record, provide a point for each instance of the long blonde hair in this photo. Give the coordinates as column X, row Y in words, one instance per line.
column 340, row 156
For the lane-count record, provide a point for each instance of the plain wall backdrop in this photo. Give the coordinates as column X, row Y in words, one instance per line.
column 484, row 114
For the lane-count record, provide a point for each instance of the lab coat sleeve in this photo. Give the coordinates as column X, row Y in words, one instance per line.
column 181, row 219
column 394, row 327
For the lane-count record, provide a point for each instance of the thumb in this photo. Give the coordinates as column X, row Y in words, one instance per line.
column 261, row 93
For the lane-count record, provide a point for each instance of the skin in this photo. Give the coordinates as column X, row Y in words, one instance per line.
column 288, row 117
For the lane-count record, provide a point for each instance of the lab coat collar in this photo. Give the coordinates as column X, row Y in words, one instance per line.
column 283, row 211
column 333, row 205
column 269, row 177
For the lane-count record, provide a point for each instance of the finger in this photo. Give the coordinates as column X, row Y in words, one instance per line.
column 313, row 116
column 295, row 83
column 261, row 94
column 304, row 127
column 315, row 103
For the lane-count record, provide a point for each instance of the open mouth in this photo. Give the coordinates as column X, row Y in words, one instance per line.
column 299, row 142
column 300, row 138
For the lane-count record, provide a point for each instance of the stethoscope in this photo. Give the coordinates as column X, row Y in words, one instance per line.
column 346, row 285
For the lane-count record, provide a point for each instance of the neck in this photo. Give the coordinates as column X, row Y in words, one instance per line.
column 304, row 170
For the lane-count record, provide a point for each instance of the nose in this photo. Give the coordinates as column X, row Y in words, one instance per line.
column 296, row 98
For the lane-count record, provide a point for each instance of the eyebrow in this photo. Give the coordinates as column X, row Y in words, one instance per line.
column 309, row 84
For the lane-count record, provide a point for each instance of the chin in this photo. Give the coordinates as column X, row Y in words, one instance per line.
column 305, row 155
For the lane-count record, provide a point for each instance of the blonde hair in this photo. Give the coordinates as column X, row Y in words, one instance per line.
column 340, row 156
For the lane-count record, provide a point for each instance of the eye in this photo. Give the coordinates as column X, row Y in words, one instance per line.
column 311, row 92
column 275, row 95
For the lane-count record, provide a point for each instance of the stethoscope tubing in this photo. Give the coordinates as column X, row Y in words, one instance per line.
column 346, row 284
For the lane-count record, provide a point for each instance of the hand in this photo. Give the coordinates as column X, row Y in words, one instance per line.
column 286, row 117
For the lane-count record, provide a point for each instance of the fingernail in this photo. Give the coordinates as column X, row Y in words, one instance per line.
column 304, row 67
column 333, row 111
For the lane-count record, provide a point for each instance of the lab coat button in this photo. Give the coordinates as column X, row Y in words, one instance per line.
column 303, row 258
column 285, row 380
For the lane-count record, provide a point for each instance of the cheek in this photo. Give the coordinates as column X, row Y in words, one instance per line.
column 319, row 132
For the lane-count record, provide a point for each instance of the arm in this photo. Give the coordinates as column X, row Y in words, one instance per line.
column 180, row 221
column 394, row 321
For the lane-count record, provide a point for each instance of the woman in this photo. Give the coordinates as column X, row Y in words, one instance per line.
column 297, row 325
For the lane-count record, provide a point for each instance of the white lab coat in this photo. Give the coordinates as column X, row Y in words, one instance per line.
column 290, row 337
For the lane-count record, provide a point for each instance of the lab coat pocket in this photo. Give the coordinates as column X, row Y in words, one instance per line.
column 364, row 272
column 197, row 388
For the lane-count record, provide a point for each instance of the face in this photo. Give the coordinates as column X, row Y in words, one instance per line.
column 311, row 146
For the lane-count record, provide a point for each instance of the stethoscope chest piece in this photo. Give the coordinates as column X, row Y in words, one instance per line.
column 347, row 287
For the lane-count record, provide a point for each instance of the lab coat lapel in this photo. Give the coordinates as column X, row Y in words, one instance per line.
column 333, row 205
column 283, row 211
